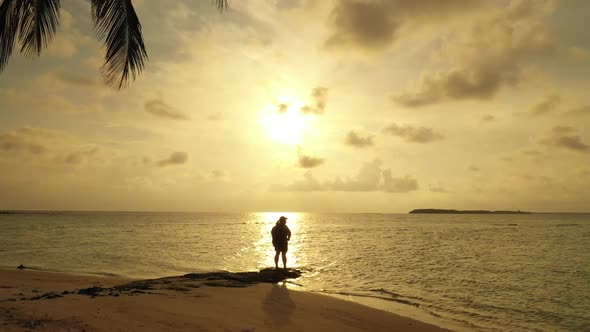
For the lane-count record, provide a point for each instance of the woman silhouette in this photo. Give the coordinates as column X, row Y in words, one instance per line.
column 281, row 234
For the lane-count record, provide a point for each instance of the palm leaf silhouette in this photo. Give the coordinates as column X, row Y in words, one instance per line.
column 221, row 4
column 9, row 22
column 118, row 25
column 34, row 23
column 38, row 22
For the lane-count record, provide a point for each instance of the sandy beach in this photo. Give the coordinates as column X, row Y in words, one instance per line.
column 46, row 301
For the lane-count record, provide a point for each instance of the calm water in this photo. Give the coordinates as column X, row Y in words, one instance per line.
column 474, row 272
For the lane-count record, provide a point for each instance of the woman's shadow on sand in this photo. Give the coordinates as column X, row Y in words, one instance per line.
column 278, row 305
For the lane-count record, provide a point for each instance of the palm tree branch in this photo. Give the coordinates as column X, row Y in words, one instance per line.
column 35, row 22
column 221, row 4
column 117, row 24
column 38, row 23
column 9, row 21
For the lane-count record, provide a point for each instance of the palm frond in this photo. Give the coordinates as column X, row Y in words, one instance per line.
column 117, row 24
column 38, row 22
column 221, row 4
column 9, row 21
column 35, row 22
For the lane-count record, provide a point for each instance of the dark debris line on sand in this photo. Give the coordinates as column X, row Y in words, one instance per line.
column 180, row 283
column 242, row 279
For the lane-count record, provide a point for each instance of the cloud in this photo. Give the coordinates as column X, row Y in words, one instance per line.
column 64, row 45
column 460, row 83
column 366, row 25
column 532, row 153
column 319, row 96
column 486, row 118
column 308, row 183
column 215, row 117
column 375, row 25
column 82, row 155
column 357, row 141
column 38, row 142
column 218, row 175
column 491, row 55
column 371, row 177
column 579, row 111
column 49, row 145
column 507, row 159
column 78, row 80
column 283, row 108
column 57, row 92
column 438, row 189
column 146, row 160
column 29, row 140
column 176, row 158
column 549, row 103
column 60, row 103
column 315, row 106
column 180, row 31
column 398, row 185
column 309, row 162
column 565, row 137
column 288, row 4
column 413, row 134
column 305, row 161
column 579, row 54
column 161, row 109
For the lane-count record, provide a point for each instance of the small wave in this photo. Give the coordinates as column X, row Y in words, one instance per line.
column 566, row 225
column 393, row 294
column 385, row 298
column 385, row 291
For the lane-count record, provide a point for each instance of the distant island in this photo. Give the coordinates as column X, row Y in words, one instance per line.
column 450, row 211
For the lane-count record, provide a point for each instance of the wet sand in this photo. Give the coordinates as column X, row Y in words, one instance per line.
column 46, row 301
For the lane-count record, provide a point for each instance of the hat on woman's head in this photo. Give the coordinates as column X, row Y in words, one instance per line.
column 282, row 218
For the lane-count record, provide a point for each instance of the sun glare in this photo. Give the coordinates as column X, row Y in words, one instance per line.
column 285, row 122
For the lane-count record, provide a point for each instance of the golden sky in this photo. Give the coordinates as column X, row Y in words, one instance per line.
column 333, row 106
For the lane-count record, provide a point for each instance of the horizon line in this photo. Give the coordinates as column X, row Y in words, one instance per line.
column 41, row 211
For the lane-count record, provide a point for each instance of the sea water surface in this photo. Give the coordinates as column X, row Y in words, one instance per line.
column 467, row 272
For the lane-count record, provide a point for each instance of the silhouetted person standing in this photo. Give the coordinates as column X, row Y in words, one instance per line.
column 281, row 234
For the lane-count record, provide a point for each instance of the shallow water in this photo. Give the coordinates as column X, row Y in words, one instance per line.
column 472, row 272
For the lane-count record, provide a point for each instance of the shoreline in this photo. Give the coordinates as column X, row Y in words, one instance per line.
column 213, row 301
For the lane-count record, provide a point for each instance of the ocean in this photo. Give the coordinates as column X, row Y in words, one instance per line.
column 467, row 272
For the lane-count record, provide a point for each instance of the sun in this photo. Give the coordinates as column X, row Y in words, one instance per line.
column 285, row 123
